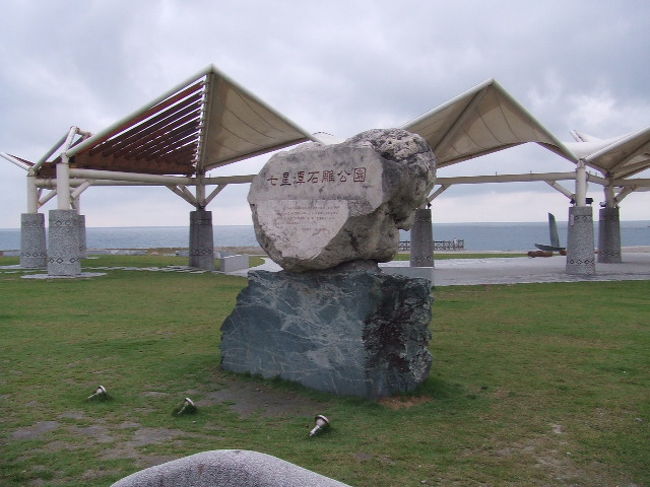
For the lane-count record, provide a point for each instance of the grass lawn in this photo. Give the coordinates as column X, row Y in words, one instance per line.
column 532, row 385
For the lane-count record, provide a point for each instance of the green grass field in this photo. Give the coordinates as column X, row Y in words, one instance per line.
column 532, row 385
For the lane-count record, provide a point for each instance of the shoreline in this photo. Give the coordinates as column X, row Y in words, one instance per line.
column 257, row 251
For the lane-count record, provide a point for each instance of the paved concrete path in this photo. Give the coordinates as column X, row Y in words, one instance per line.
column 452, row 272
column 515, row 270
column 519, row 270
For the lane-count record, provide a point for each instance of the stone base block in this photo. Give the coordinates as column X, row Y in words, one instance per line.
column 422, row 239
column 234, row 263
column 33, row 249
column 63, row 243
column 580, row 242
column 201, row 240
column 349, row 331
column 609, row 236
column 82, row 236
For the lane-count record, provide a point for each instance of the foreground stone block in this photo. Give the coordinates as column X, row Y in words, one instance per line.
column 350, row 330
column 33, row 248
column 609, row 236
column 317, row 206
column 201, row 250
column 227, row 468
column 234, row 263
column 63, row 243
column 580, row 242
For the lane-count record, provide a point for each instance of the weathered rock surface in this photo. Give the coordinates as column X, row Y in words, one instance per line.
column 227, row 468
column 350, row 330
column 317, row 206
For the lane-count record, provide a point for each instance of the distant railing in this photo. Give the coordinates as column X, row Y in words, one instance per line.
column 456, row 244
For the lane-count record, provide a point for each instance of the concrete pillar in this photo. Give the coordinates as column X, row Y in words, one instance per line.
column 422, row 239
column 201, row 240
column 609, row 236
column 82, row 236
column 33, row 250
column 63, row 243
column 580, row 242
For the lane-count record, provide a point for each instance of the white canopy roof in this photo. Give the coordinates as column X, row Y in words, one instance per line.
column 482, row 120
column 618, row 157
column 205, row 122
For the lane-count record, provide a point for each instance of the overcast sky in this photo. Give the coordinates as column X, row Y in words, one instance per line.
column 336, row 66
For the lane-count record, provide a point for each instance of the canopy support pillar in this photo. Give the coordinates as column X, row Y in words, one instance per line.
column 64, row 222
column 422, row 239
column 201, row 240
column 33, row 248
column 580, row 242
column 609, row 230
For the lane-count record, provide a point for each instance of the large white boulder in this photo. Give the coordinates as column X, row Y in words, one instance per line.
column 317, row 206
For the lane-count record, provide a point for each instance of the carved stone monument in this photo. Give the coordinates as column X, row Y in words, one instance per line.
column 331, row 320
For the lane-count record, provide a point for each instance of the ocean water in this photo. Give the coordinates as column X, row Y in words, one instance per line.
column 477, row 236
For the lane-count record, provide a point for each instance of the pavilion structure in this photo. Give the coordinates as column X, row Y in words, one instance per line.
column 209, row 121
column 487, row 119
column 205, row 122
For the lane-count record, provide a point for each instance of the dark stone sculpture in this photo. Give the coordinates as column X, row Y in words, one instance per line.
column 350, row 330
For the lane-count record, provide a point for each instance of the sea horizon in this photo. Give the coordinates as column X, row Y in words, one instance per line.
column 477, row 236
column 536, row 222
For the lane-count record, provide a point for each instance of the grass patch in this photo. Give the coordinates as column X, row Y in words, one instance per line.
column 532, row 384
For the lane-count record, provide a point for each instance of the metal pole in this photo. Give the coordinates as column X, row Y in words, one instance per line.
column 63, row 185
column 581, row 184
column 63, row 173
column 610, row 198
column 32, row 195
column 15, row 161
column 200, row 191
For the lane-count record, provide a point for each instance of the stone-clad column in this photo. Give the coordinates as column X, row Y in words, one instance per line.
column 609, row 235
column 33, row 249
column 580, row 242
column 201, row 240
column 422, row 239
column 82, row 236
column 63, row 243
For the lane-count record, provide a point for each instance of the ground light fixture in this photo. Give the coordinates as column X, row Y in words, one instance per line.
column 321, row 423
column 100, row 394
column 187, row 407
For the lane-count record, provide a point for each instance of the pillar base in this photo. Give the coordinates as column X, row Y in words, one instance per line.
column 422, row 239
column 33, row 249
column 580, row 242
column 201, row 240
column 609, row 236
column 63, row 243
column 82, row 236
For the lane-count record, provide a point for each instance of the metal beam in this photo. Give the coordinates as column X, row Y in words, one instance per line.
column 186, row 195
column 637, row 183
column 129, row 176
column 243, row 179
column 214, row 193
column 162, row 180
column 558, row 187
column 437, row 192
column 80, row 189
column 47, row 198
column 625, row 192
column 507, row 178
column 15, row 161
